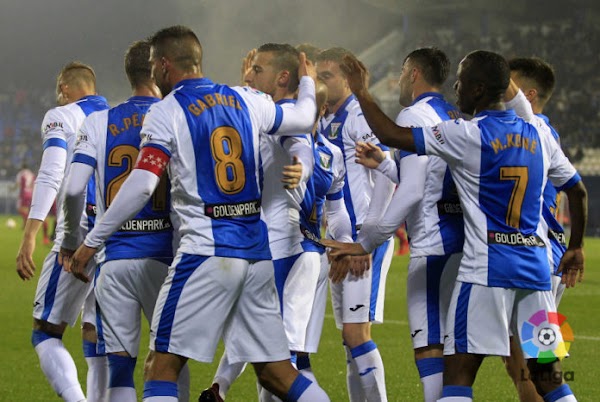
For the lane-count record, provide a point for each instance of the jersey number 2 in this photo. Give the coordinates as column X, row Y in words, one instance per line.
column 127, row 154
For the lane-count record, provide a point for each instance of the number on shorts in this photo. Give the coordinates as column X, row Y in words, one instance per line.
column 226, row 149
column 520, row 175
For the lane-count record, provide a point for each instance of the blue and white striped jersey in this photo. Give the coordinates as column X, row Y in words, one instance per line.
column 109, row 141
column 211, row 132
column 344, row 129
column 436, row 225
column 500, row 165
column 59, row 129
column 326, row 183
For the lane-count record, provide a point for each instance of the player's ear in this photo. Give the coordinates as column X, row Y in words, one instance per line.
column 531, row 94
column 284, row 78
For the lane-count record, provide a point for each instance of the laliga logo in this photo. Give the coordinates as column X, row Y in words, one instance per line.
column 546, row 336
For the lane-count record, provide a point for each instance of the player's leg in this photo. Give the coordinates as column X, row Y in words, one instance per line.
column 315, row 324
column 517, row 369
column 477, row 325
column 225, row 375
column 429, row 288
column 363, row 300
column 192, row 308
column 96, row 359
column 255, row 334
column 538, row 327
column 58, row 301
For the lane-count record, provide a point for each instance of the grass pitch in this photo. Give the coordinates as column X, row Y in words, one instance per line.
column 22, row 380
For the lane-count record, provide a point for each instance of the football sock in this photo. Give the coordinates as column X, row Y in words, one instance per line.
column 58, row 366
column 183, row 383
column 97, row 374
column 431, row 371
column 160, row 391
column 457, row 393
column 370, row 371
column 355, row 390
column 303, row 365
column 304, row 390
column 120, row 384
column 227, row 373
column 560, row 394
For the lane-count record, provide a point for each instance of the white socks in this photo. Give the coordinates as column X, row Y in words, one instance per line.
column 355, row 390
column 58, row 366
column 431, row 371
column 227, row 373
column 370, row 371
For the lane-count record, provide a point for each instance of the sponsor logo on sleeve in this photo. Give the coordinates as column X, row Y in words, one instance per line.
column 437, row 134
column 52, row 126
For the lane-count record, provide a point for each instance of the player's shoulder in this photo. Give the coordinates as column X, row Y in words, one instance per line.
column 252, row 94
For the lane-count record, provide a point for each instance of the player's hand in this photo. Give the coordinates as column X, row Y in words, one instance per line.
column 79, row 262
column 572, row 266
column 64, row 258
column 357, row 75
column 360, row 265
column 292, row 174
column 369, row 155
column 339, row 269
column 306, row 67
column 25, row 264
column 338, row 249
column 247, row 64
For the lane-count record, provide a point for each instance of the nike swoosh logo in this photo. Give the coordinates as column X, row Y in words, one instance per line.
column 416, row 332
column 356, row 307
column 367, row 371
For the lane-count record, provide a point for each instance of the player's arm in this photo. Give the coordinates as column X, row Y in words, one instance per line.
column 81, row 170
column 301, row 117
column 373, row 157
column 384, row 129
column 515, row 99
column 47, row 184
column 565, row 178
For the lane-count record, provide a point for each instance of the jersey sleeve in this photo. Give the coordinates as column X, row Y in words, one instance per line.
column 521, row 106
column 54, row 129
column 561, row 172
column 336, row 191
column 86, row 145
column 448, row 140
column 157, row 138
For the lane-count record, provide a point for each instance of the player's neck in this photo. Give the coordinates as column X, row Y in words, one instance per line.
column 282, row 93
column 333, row 109
column 489, row 106
column 419, row 90
column 146, row 90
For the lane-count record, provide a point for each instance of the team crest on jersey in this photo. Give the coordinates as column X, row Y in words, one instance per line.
column 325, row 160
column 335, row 128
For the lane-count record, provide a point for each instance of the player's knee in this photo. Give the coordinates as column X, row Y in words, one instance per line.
column 121, row 370
column 545, row 376
column 39, row 336
column 356, row 334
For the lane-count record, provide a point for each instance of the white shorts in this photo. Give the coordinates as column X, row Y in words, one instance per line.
column 429, row 288
column 558, row 289
column 59, row 296
column 361, row 300
column 479, row 319
column 124, row 289
column 296, row 280
column 205, row 299
column 88, row 311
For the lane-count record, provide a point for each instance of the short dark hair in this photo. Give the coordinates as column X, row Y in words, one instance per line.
column 335, row 54
column 78, row 74
column 310, row 50
column 180, row 45
column 433, row 63
column 537, row 70
column 286, row 58
column 137, row 63
column 490, row 69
